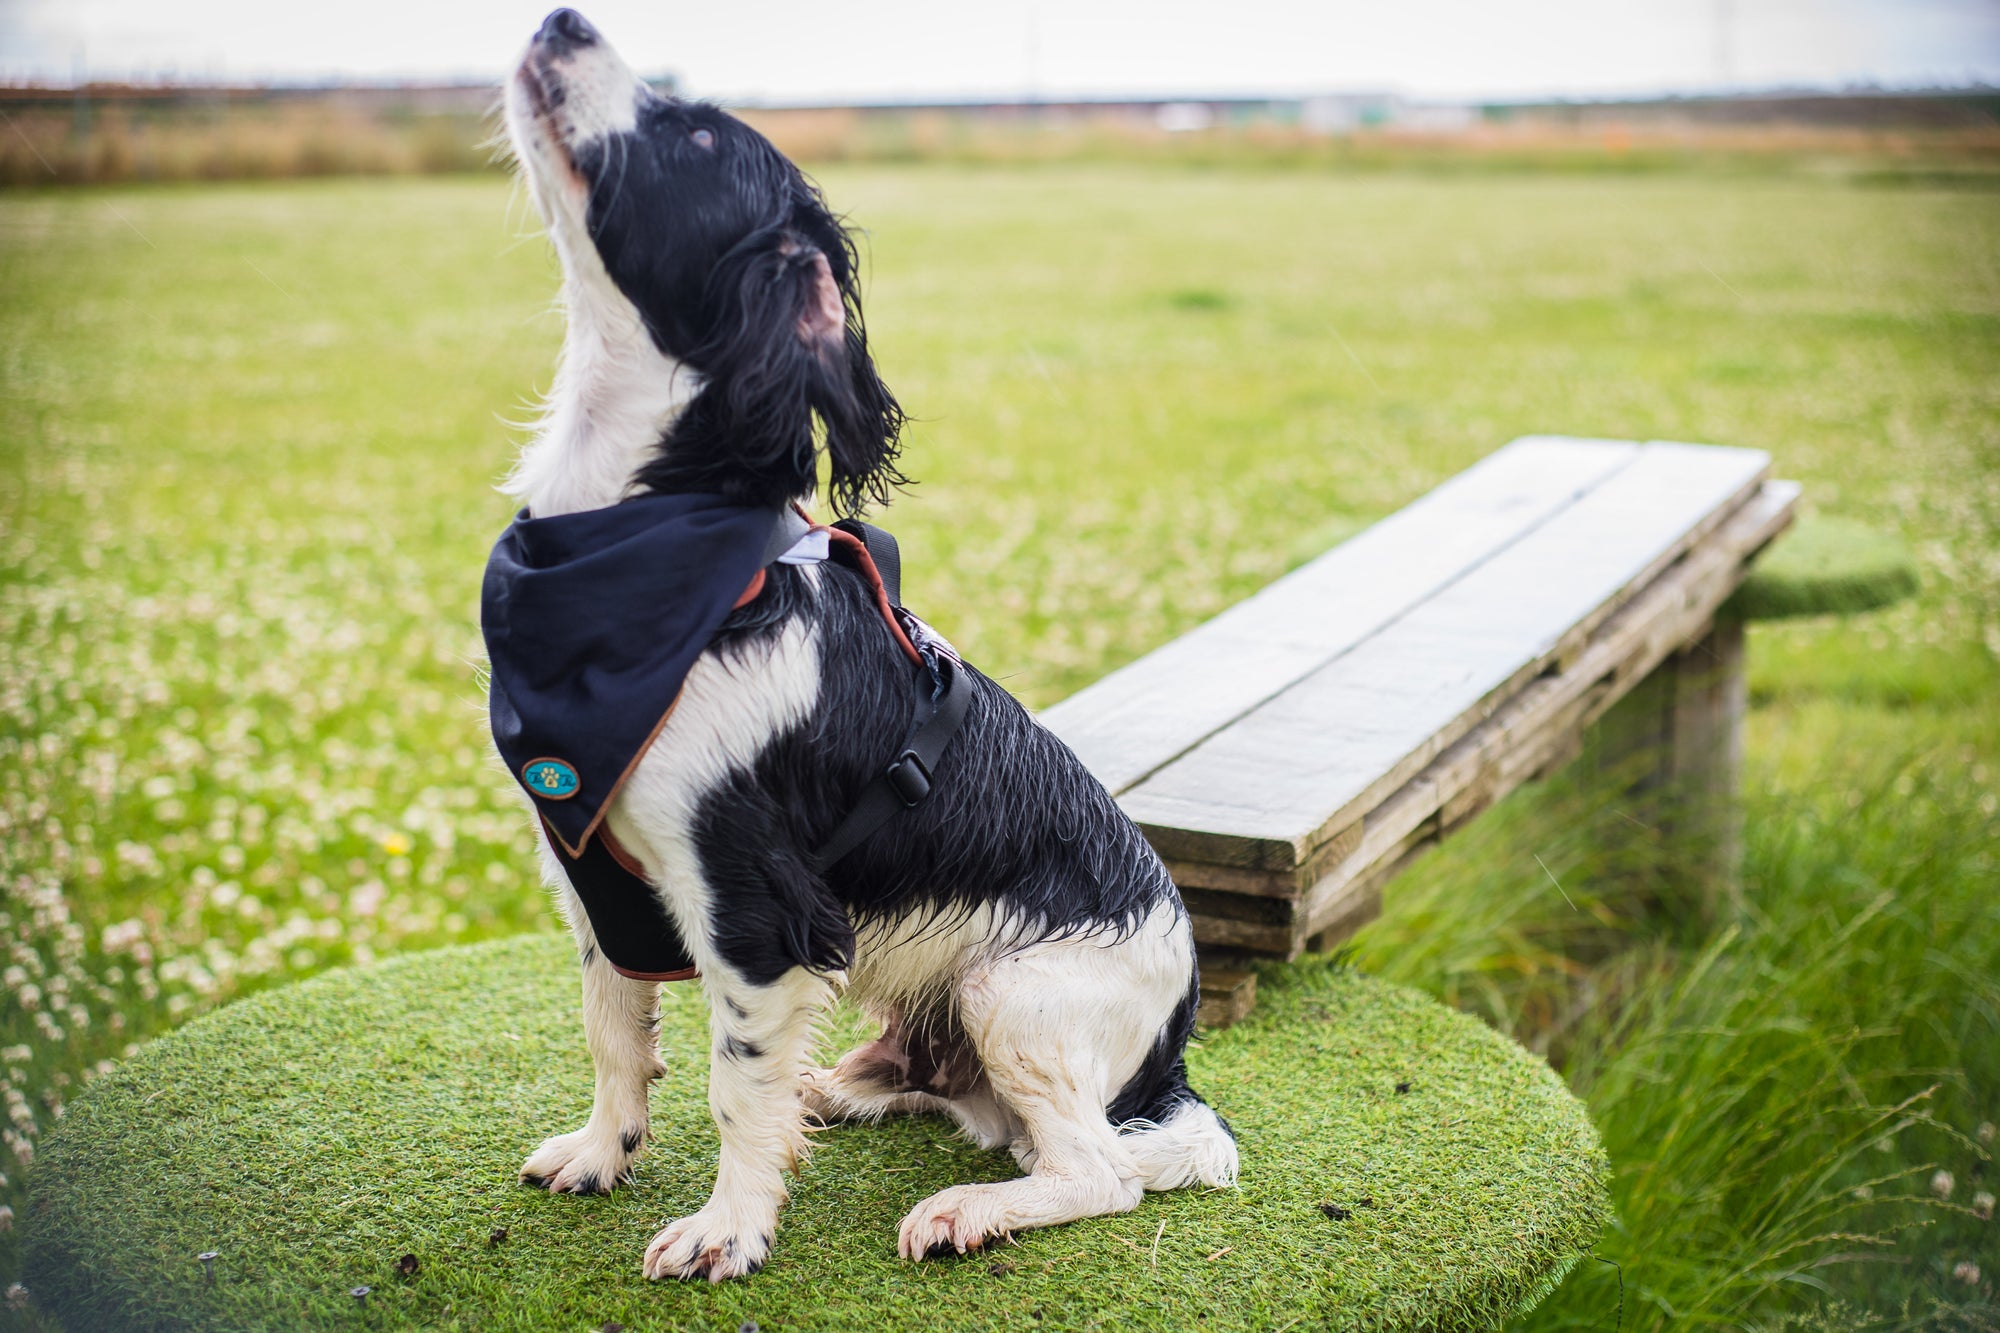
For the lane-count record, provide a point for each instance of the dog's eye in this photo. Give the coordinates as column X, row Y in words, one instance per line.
column 704, row 139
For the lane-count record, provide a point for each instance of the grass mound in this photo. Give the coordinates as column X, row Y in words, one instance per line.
column 1828, row 566
column 314, row 1135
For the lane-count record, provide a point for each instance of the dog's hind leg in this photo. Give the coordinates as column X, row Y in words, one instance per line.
column 761, row 1035
column 1059, row 1027
column 1079, row 1167
column 620, row 1025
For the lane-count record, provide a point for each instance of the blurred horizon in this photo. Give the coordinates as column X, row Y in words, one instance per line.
column 899, row 52
column 170, row 83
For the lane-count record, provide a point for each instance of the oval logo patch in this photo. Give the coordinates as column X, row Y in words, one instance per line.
column 550, row 779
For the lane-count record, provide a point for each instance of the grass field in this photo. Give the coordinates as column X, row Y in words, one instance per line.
column 248, row 436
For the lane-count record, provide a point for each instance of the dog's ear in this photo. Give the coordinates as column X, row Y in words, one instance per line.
column 864, row 422
column 786, row 359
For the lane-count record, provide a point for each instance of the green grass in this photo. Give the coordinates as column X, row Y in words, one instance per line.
column 1777, row 1095
column 1828, row 566
column 314, row 1135
column 247, row 439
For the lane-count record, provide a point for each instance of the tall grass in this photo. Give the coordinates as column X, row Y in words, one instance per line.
column 1777, row 1092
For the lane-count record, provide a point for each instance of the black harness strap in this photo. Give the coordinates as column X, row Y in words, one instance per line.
column 906, row 782
column 943, row 694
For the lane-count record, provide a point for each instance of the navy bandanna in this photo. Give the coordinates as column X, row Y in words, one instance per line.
column 592, row 621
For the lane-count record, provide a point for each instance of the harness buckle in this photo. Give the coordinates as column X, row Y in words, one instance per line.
column 909, row 778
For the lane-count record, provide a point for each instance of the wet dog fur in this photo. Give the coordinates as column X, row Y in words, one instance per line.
column 1024, row 950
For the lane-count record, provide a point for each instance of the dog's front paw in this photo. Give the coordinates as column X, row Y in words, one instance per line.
column 951, row 1221
column 586, row 1162
column 707, row 1245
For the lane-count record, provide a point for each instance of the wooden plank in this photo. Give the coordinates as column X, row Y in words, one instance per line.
column 1518, row 741
column 1286, row 882
column 1308, row 763
column 1227, row 996
column 1144, row 715
column 1245, row 936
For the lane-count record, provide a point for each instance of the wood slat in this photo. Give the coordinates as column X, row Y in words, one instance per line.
column 1533, row 733
column 1142, row 717
column 1520, row 740
column 1281, row 780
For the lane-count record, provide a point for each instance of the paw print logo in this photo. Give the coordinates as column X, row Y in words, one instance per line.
column 550, row 779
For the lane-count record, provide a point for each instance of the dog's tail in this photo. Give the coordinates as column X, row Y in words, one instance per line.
column 1175, row 1138
column 1189, row 1145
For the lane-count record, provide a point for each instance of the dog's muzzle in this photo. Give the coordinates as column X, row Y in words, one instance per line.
column 564, row 31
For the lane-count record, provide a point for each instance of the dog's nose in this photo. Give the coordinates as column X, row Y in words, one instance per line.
column 565, row 30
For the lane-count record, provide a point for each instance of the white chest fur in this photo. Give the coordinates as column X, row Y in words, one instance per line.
column 731, row 706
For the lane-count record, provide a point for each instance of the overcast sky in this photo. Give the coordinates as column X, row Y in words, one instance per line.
column 804, row 50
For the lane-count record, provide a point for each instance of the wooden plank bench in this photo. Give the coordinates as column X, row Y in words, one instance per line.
column 1291, row 755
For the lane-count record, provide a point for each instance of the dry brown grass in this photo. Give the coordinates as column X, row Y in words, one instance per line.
column 118, row 135
column 110, row 141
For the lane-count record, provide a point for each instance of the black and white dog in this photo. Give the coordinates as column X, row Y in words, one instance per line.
column 1024, row 950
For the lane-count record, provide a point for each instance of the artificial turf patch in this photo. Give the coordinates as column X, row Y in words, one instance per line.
column 1827, row 566
column 1404, row 1166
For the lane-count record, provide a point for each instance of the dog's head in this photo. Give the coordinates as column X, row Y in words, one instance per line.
column 731, row 261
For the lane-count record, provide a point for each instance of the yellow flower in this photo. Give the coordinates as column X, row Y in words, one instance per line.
column 396, row 845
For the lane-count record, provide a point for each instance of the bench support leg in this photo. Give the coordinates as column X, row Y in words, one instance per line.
column 1674, row 747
